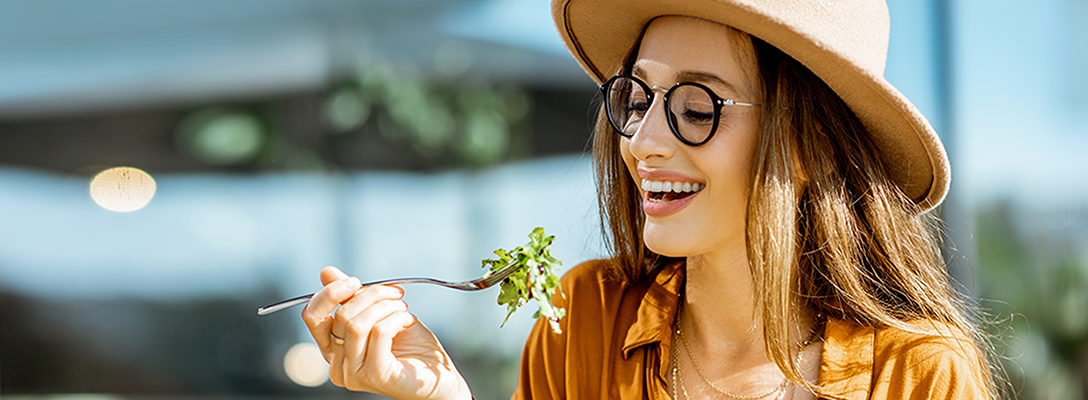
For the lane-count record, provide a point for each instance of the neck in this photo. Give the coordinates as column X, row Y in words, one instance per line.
column 719, row 318
column 719, row 302
column 719, row 310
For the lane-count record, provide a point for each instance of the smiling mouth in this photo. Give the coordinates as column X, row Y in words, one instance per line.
column 660, row 192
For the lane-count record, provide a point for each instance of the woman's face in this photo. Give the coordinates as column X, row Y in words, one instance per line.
column 681, row 49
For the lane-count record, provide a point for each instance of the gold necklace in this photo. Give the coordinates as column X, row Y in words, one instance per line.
column 678, row 380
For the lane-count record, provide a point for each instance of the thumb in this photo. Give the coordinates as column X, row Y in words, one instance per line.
column 331, row 274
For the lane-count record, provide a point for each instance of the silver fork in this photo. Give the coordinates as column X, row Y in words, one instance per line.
column 489, row 279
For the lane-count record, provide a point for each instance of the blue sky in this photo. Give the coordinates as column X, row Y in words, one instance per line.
column 1023, row 130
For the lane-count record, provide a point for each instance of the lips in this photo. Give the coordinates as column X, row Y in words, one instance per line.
column 669, row 191
column 666, row 193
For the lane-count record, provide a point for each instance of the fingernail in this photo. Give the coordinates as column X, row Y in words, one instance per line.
column 352, row 282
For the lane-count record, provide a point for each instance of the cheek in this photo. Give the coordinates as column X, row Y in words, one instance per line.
column 629, row 159
column 730, row 159
column 745, row 149
column 729, row 164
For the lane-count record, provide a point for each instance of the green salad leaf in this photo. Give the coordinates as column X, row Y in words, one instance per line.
column 535, row 278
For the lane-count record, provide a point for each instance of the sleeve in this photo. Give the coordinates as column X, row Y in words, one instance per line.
column 588, row 329
column 542, row 375
column 543, row 368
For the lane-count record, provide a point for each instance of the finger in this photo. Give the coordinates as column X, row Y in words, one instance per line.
column 380, row 346
column 336, row 367
column 364, row 299
column 331, row 296
column 360, row 329
column 331, row 274
column 360, row 301
column 336, row 373
column 318, row 313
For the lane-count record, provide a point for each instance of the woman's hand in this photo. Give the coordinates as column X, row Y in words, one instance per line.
column 374, row 344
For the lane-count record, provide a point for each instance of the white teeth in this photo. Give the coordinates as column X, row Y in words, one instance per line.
column 679, row 187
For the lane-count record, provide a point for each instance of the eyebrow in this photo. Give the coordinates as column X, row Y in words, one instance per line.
column 694, row 76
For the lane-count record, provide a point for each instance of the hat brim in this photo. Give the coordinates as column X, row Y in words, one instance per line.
column 599, row 33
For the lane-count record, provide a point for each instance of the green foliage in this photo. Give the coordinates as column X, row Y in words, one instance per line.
column 1034, row 262
column 466, row 118
column 534, row 279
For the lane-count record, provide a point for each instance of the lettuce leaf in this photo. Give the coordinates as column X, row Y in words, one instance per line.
column 535, row 278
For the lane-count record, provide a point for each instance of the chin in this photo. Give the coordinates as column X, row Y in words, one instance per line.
column 662, row 242
column 667, row 253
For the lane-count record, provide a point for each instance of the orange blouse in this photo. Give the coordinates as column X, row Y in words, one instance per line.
column 616, row 337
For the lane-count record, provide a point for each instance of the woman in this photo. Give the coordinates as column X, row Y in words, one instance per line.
column 763, row 189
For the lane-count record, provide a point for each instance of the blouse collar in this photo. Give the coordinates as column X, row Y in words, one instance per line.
column 846, row 365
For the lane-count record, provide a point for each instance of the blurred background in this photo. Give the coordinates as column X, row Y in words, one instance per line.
column 265, row 139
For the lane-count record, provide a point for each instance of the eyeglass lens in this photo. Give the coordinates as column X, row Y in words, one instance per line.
column 691, row 109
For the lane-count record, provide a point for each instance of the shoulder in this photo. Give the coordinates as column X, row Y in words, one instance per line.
column 927, row 356
column 593, row 275
column 927, row 342
column 589, row 289
column 923, row 359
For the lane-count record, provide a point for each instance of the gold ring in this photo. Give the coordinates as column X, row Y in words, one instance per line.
column 336, row 339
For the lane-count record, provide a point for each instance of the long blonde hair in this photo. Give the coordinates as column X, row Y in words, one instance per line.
column 827, row 229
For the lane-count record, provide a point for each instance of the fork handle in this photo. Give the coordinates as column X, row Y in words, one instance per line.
column 283, row 305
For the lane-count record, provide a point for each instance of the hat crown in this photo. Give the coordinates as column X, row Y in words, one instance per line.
column 855, row 29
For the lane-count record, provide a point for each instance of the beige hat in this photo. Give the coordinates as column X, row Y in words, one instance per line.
column 844, row 42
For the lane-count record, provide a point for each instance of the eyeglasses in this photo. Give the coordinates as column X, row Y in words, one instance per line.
column 693, row 109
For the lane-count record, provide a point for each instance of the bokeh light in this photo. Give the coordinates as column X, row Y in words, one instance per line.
column 305, row 365
column 122, row 189
column 486, row 137
column 222, row 137
column 346, row 110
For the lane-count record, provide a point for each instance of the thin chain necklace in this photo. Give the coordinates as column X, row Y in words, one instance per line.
column 678, row 380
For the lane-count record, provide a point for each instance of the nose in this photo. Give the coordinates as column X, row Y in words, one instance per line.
column 654, row 138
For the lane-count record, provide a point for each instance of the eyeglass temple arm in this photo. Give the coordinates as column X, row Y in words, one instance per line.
column 731, row 102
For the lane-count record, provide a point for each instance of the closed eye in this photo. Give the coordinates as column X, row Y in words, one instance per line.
column 638, row 107
column 698, row 117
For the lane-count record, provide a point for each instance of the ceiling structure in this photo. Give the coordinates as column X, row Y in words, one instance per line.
column 70, row 56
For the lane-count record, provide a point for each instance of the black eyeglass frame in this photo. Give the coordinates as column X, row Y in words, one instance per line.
column 718, row 104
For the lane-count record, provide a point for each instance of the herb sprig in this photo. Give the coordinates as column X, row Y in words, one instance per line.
column 535, row 278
